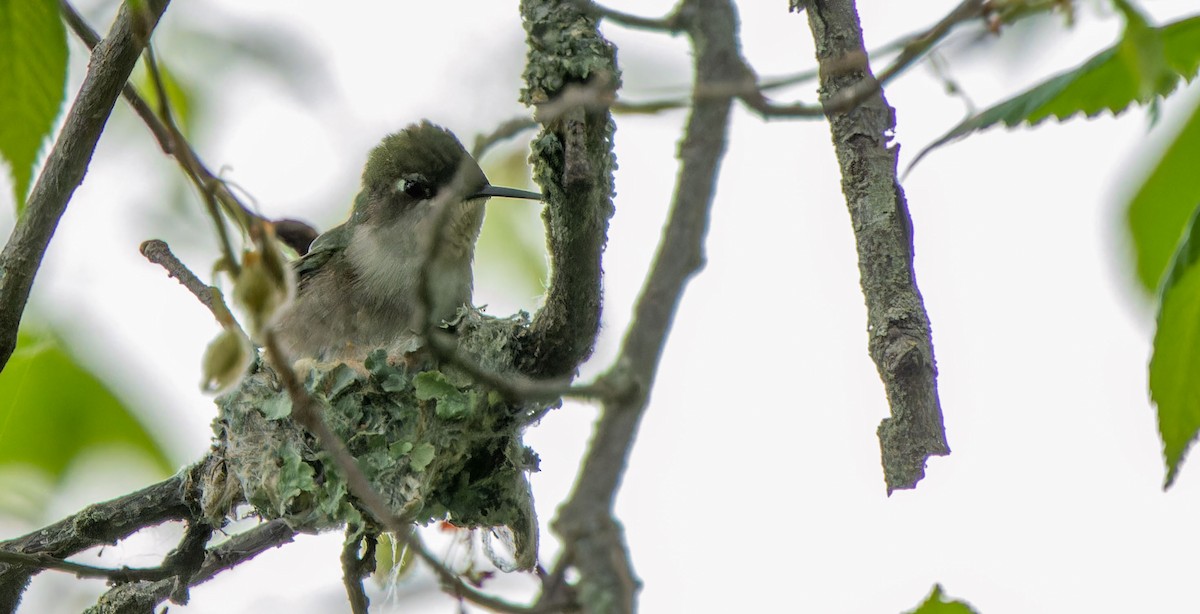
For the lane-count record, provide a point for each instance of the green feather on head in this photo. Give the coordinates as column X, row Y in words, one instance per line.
column 425, row 151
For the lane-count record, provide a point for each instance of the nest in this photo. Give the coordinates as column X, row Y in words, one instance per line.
column 434, row 443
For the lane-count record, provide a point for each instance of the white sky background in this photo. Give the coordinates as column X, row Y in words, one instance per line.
column 755, row 484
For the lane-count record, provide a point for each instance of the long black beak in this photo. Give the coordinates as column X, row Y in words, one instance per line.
column 491, row 190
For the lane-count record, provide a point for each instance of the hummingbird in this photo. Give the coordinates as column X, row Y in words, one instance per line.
column 419, row 213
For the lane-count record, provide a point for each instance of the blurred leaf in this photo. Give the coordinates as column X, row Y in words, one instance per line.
column 1141, row 50
column 1145, row 64
column 936, row 603
column 52, row 410
column 1174, row 385
column 225, row 360
column 277, row 407
column 512, row 243
column 180, row 97
column 1158, row 213
column 264, row 284
column 393, row 559
column 268, row 48
column 33, row 76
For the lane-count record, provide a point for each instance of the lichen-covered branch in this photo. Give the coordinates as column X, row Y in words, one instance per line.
column 572, row 163
column 99, row 524
column 112, row 61
column 593, row 539
column 900, row 341
column 140, row 597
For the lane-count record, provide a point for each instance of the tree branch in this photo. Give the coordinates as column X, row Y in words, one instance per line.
column 750, row 90
column 506, row 130
column 900, row 342
column 572, row 162
column 355, row 567
column 80, row 570
column 592, row 538
column 112, row 62
column 90, row 39
column 454, row 585
column 671, row 23
column 141, row 597
column 159, row 253
column 95, row 525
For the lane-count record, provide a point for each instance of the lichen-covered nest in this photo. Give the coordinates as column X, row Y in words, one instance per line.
column 435, row 444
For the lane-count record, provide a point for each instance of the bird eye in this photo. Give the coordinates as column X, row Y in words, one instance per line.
column 415, row 188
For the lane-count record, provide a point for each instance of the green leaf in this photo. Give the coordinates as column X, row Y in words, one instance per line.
column 295, row 478
column 179, row 96
column 512, row 243
column 421, row 456
column 393, row 559
column 1174, row 387
column 1141, row 50
column 1158, row 213
column 53, row 410
column 376, row 363
column 277, row 407
column 33, row 75
column 395, row 382
column 400, row 449
column 936, row 603
column 1145, row 64
column 341, row 378
column 451, row 402
column 432, row 385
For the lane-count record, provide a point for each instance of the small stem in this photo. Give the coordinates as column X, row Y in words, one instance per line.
column 159, row 253
column 354, row 568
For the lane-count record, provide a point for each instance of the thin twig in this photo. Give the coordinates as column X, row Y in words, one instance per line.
column 192, row 166
column 851, row 97
column 307, row 412
column 911, row 48
column 514, row 386
column 453, row 584
column 90, row 39
column 855, row 60
column 158, row 252
column 752, row 95
column 80, row 570
column 95, row 525
column 145, row 596
column 670, row 23
column 504, row 131
column 212, row 189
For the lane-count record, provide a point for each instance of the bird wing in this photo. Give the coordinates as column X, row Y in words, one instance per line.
column 323, row 248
